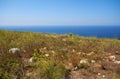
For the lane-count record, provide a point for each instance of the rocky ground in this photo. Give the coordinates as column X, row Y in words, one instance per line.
column 26, row 55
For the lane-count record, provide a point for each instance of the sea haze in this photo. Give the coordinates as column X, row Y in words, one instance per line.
column 94, row 31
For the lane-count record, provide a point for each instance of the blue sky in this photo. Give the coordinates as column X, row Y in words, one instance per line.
column 59, row 12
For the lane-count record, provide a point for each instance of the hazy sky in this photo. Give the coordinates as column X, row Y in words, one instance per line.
column 59, row 12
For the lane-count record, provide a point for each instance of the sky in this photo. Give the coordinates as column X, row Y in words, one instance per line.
column 59, row 12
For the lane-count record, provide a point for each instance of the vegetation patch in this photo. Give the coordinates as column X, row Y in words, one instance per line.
column 52, row 56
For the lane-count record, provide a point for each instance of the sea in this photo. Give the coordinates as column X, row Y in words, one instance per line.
column 87, row 31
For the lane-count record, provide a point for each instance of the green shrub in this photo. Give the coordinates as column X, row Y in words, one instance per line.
column 10, row 66
column 70, row 34
column 49, row 70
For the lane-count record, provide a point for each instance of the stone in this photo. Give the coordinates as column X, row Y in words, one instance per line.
column 83, row 61
column 64, row 39
column 28, row 74
column 76, row 68
column 112, row 58
column 117, row 62
column 91, row 53
column 103, row 76
column 47, row 55
column 32, row 59
column 79, row 53
column 93, row 61
column 45, row 48
column 69, row 66
column 73, row 50
column 14, row 50
column 99, row 74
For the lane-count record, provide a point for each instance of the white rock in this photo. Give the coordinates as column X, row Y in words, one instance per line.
column 69, row 66
column 76, row 68
column 53, row 52
column 117, row 62
column 28, row 74
column 31, row 59
column 83, row 53
column 99, row 74
column 91, row 53
column 64, row 39
column 47, row 55
column 103, row 76
column 117, row 52
column 79, row 53
column 14, row 50
column 112, row 58
column 45, row 48
column 73, row 50
column 93, row 61
column 83, row 61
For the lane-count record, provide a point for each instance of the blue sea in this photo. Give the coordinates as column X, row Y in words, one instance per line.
column 87, row 31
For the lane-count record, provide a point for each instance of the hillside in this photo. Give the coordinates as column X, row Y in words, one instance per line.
column 52, row 56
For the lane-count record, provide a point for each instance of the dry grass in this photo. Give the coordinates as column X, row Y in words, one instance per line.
column 62, row 49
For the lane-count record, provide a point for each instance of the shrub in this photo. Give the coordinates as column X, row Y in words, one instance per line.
column 70, row 34
column 10, row 66
column 50, row 70
column 51, row 67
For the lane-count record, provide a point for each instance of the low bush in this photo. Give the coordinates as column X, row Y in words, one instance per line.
column 49, row 70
